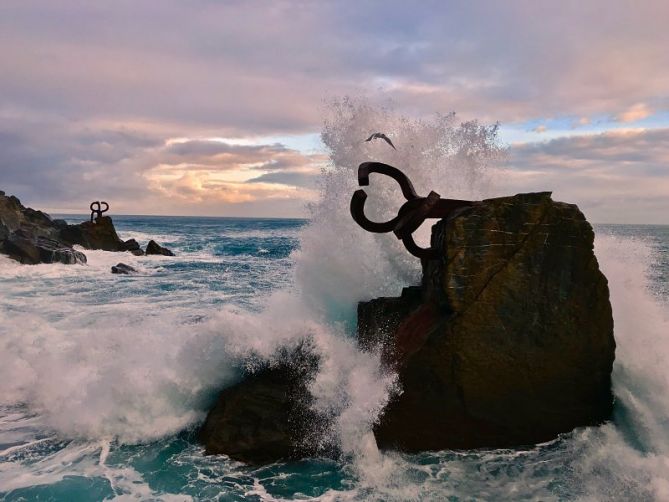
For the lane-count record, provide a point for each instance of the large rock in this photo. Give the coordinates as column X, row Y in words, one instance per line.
column 266, row 417
column 31, row 236
column 26, row 248
column 508, row 341
column 97, row 234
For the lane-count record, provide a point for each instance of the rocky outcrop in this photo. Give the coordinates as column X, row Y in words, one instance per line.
column 266, row 417
column 133, row 246
column 97, row 234
column 508, row 341
column 154, row 248
column 122, row 268
column 29, row 236
column 29, row 249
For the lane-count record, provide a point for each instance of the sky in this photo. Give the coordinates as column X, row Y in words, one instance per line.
column 208, row 107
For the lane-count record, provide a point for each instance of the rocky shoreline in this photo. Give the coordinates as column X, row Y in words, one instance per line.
column 31, row 237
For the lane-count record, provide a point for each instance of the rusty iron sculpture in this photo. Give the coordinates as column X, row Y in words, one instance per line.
column 410, row 216
column 97, row 213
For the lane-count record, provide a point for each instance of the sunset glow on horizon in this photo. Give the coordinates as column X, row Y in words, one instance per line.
column 214, row 108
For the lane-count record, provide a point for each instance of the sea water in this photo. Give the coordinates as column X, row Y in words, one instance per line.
column 104, row 379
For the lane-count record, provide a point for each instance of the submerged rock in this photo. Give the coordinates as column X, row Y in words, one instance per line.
column 508, row 341
column 122, row 268
column 266, row 417
column 154, row 248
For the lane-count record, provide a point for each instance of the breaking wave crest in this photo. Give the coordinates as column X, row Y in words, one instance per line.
column 103, row 361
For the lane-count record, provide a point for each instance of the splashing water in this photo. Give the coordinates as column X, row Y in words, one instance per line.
column 103, row 378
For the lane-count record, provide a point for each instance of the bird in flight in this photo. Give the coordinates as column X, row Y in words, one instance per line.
column 380, row 135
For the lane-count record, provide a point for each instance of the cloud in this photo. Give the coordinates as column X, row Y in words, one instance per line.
column 635, row 112
column 65, row 166
column 614, row 177
column 582, row 121
column 93, row 92
column 293, row 178
column 240, row 68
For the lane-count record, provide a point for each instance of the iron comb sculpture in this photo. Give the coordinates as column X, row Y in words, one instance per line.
column 97, row 213
column 410, row 216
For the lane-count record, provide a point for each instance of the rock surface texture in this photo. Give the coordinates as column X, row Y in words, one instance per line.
column 123, row 269
column 266, row 416
column 29, row 236
column 154, row 248
column 508, row 341
column 97, row 234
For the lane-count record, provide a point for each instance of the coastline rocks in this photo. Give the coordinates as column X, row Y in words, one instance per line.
column 97, row 234
column 29, row 236
column 508, row 341
column 27, row 249
column 154, row 248
column 122, row 268
column 133, row 246
column 266, row 417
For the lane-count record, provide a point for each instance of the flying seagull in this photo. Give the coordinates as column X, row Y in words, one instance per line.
column 380, row 135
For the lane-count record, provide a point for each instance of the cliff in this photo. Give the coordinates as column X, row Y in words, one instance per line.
column 508, row 341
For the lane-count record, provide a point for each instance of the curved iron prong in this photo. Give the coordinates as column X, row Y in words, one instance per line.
column 358, row 213
column 410, row 222
column 106, row 207
column 416, row 250
column 366, row 168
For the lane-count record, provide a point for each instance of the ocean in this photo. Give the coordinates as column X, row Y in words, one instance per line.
column 104, row 378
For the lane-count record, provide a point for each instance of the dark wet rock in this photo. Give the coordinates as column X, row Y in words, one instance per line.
column 97, row 234
column 154, row 248
column 509, row 340
column 4, row 231
column 25, row 248
column 31, row 236
column 60, row 223
column 15, row 216
column 266, row 417
column 122, row 268
column 131, row 245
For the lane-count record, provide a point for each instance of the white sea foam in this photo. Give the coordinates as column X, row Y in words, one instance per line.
column 135, row 367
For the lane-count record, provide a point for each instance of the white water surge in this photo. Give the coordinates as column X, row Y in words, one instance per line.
column 105, row 361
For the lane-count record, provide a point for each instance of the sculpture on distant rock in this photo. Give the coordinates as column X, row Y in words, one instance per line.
column 97, row 213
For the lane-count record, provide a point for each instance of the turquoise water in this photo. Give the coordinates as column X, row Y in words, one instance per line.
column 104, row 379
